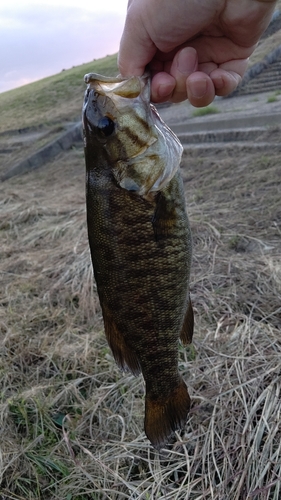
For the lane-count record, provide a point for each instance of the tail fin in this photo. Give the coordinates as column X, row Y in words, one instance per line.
column 164, row 416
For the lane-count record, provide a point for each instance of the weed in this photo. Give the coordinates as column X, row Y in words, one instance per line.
column 208, row 110
column 234, row 242
column 272, row 98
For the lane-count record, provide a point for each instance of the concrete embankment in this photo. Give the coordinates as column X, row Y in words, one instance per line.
column 63, row 143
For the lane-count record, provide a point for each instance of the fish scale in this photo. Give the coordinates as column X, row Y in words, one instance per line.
column 140, row 246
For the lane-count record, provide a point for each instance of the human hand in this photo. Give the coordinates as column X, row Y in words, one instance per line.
column 195, row 49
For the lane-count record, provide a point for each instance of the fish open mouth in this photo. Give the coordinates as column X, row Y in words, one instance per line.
column 129, row 88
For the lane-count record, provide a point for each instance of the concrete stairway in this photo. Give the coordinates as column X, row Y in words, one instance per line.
column 268, row 80
column 250, row 132
column 274, row 25
column 265, row 75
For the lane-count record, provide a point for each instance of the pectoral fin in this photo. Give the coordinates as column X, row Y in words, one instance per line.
column 138, row 173
column 163, row 218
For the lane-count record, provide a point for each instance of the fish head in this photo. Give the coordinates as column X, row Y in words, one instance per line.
column 112, row 108
column 127, row 133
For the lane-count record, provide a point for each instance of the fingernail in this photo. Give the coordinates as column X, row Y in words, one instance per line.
column 219, row 83
column 165, row 90
column 200, row 89
column 187, row 62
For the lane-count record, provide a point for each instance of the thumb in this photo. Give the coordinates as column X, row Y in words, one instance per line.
column 136, row 48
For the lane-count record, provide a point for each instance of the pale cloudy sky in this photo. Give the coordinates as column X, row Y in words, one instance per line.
column 39, row 38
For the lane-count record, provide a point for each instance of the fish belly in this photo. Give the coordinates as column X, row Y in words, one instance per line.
column 141, row 253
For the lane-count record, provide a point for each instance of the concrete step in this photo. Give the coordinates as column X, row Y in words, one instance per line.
column 256, row 89
column 227, row 122
column 225, row 135
column 268, row 80
column 231, row 147
column 265, row 78
column 263, row 86
column 207, row 133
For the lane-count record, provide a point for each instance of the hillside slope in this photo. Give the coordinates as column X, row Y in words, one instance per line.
column 52, row 100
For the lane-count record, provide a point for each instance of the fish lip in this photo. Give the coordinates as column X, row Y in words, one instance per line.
column 92, row 77
column 130, row 88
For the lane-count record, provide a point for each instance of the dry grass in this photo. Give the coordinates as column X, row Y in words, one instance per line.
column 71, row 423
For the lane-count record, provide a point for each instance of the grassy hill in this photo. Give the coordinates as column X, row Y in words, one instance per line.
column 50, row 100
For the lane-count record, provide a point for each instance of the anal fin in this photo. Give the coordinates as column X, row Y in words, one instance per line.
column 188, row 325
column 124, row 356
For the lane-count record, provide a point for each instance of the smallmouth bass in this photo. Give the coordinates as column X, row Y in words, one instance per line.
column 140, row 241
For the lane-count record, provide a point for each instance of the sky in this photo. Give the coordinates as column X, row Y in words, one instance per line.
column 39, row 38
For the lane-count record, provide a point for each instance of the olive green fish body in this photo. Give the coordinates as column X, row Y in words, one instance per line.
column 141, row 251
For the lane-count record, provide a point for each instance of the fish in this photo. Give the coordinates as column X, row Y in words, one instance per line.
column 140, row 242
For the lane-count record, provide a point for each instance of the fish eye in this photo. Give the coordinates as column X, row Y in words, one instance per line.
column 106, row 126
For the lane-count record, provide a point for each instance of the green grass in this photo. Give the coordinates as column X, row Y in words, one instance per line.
column 208, row 110
column 272, row 98
column 51, row 99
